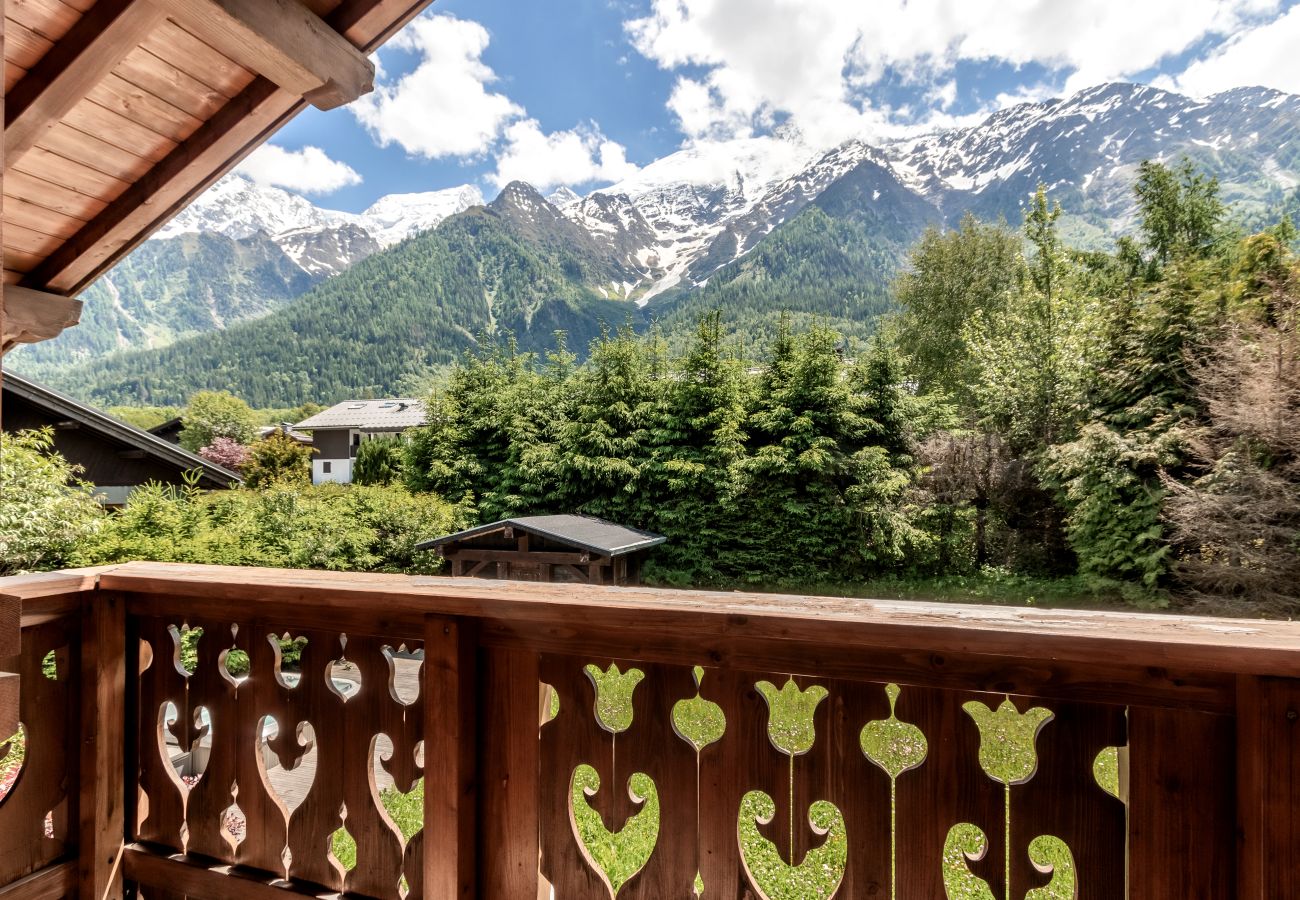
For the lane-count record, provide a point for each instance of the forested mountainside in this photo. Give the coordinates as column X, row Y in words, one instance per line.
column 169, row 289
column 396, row 312
column 812, row 233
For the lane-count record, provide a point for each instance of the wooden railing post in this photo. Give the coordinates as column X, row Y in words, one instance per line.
column 100, row 804
column 10, row 633
column 1180, row 804
column 509, row 765
column 1268, row 787
column 450, row 755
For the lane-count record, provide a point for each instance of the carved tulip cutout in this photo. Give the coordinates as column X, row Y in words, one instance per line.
column 790, row 715
column 1007, row 739
column 614, row 696
column 1008, row 754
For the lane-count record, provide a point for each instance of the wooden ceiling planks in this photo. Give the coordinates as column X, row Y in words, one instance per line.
column 155, row 116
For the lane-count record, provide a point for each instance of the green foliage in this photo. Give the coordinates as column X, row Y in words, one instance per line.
column 1180, row 207
column 953, row 278
column 144, row 417
column 278, row 458
column 378, row 461
column 688, row 445
column 45, row 511
column 416, row 305
column 214, row 414
column 351, row 528
column 171, row 289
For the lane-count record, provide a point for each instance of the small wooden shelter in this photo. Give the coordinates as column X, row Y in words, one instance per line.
column 564, row 548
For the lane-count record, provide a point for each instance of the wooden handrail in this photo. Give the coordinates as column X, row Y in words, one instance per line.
column 1091, row 637
column 1211, row 773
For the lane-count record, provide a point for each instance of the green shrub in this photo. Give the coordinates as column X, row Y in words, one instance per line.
column 45, row 511
column 338, row 527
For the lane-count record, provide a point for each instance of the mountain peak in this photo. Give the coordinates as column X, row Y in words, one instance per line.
column 563, row 196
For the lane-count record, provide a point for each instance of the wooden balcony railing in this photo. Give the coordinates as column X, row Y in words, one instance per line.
column 634, row 742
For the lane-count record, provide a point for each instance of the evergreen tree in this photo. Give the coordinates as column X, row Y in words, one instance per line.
column 689, row 485
column 378, row 461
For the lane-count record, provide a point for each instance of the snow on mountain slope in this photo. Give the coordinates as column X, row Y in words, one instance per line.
column 396, row 217
column 682, row 216
column 322, row 241
column 236, row 207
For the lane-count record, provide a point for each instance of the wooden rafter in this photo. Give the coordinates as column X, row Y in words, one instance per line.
column 214, row 149
column 76, row 64
column 31, row 316
column 283, row 41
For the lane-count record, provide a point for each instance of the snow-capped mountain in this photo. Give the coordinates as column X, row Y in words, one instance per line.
column 683, row 216
column 323, row 241
column 693, row 217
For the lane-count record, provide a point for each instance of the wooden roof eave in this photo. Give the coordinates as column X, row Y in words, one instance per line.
column 294, row 53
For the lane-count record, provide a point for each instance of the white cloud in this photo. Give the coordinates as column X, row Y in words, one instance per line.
column 815, row 60
column 308, row 170
column 1264, row 55
column 576, row 156
column 443, row 107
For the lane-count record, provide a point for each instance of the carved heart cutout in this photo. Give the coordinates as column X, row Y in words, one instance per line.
column 818, row 874
column 616, row 856
column 290, row 785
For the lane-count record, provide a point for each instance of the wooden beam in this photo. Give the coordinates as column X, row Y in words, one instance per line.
column 1182, row 839
column 525, row 556
column 11, row 610
column 214, row 149
column 51, row 883
column 101, row 801
column 450, row 753
column 82, row 59
column 31, row 316
column 1268, row 787
column 283, row 41
column 509, row 768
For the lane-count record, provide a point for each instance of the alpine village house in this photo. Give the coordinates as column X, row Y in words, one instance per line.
column 546, row 722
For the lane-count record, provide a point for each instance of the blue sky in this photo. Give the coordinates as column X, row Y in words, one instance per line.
column 584, row 92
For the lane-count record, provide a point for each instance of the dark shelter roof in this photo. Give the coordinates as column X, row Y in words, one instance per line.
column 586, row 532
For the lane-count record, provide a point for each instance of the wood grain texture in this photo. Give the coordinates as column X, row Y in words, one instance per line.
column 101, row 801
column 1030, row 635
column 51, row 883
column 167, row 113
column 49, row 709
column 11, row 614
column 450, row 753
column 283, row 41
column 1268, row 788
column 10, row 699
column 61, row 78
column 1182, row 817
column 509, row 767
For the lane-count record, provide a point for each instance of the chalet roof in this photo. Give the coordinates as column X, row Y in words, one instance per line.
column 114, row 430
column 586, row 532
column 119, row 112
column 392, row 413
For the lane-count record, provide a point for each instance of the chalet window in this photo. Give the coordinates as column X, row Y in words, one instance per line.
column 325, row 468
